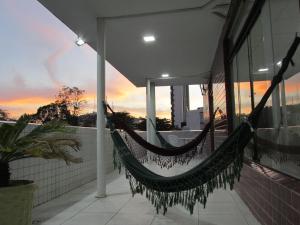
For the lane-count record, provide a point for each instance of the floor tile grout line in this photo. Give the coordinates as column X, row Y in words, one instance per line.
column 78, row 212
column 239, row 208
column 75, row 213
column 117, row 211
column 154, row 216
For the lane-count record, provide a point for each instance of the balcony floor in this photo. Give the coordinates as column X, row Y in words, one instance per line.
column 80, row 207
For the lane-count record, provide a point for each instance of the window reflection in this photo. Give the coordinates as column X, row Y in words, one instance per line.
column 259, row 59
column 219, row 99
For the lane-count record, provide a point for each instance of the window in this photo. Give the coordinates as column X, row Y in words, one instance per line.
column 253, row 68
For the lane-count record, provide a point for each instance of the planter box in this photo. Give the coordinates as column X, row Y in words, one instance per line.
column 16, row 203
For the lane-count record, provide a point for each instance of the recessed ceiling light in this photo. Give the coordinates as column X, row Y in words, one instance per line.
column 279, row 63
column 263, row 70
column 79, row 41
column 149, row 38
column 165, row 75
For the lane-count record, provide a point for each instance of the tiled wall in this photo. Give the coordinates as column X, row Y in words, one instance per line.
column 54, row 177
column 272, row 197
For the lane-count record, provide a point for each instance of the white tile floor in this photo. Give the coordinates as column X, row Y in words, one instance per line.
column 80, row 207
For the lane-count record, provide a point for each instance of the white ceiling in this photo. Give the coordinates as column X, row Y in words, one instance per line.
column 186, row 39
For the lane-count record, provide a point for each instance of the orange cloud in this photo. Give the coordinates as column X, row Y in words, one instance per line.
column 17, row 107
column 292, row 87
column 141, row 112
column 26, row 101
column 118, row 87
column 260, row 87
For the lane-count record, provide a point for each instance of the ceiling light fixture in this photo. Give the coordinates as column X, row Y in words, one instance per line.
column 165, row 75
column 149, row 38
column 263, row 70
column 279, row 63
column 79, row 41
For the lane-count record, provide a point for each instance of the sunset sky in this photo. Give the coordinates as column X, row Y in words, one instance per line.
column 38, row 56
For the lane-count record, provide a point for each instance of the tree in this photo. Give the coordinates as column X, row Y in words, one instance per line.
column 72, row 98
column 162, row 124
column 67, row 106
column 46, row 113
column 3, row 115
column 142, row 125
column 88, row 120
column 126, row 118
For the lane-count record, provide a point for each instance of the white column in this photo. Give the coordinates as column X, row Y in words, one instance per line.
column 101, row 184
column 151, row 111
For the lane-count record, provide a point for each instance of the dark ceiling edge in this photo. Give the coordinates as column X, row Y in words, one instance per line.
column 160, row 12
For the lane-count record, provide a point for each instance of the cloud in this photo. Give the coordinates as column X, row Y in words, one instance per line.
column 52, row 60
column 18, row 98
column 22, row 96
column 118, row 87
column 33, row 24
column 141, row 111
column 46, row 31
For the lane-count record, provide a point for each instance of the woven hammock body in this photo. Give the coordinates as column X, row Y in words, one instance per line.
column 222, row 167
column 170, row 151
column 167, row 155
column 143, row 156
column 165, row 161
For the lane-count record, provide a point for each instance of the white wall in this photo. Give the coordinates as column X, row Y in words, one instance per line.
column 54, row 177
column 194, row 119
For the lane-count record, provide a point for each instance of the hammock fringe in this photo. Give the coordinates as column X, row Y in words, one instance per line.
column 162, row 200
column 188, row 198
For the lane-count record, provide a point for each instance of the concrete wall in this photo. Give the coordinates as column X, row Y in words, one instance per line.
column 54, row 177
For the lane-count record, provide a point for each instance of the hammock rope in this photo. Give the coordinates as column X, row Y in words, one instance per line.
column 170, row 161
column 140, row 152
column 221, row 168
column 162, row 140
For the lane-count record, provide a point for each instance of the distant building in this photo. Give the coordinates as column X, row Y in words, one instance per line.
column 182, row 117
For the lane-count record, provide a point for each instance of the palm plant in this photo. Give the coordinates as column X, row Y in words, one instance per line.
column 52, row 140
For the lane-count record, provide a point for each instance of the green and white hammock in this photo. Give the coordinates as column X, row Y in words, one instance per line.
column 166, row 156
column 219, row 170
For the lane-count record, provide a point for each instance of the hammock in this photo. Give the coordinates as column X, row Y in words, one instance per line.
column 169, row 161
column 143, row 156
column 166, row 144
column 222, row 167
column 166, row 156
column 171, row 151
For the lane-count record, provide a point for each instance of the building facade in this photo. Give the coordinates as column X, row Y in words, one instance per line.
column 182, row 116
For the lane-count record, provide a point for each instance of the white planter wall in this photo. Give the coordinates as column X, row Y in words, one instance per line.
column 54, row 177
